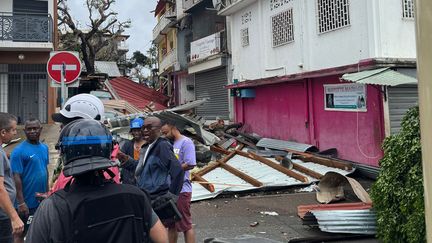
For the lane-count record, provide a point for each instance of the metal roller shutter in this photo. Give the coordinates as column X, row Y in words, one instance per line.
column 211, row 85
column 400, row 99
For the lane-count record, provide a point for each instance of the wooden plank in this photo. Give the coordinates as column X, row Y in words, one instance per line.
column 303, row 169
column 322, row 161
column 203, row 182
column 241, row 175
column 279, row 167
column 206, row 170
column 218, row 149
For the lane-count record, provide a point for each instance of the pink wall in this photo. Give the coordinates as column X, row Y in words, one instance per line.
column 295, row 111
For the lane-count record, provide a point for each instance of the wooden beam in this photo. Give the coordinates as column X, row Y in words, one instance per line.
column 303, row 169
column 218, row 149
column 203, row 182
column 321, row 160
column 240, row 174
column 205, row 170
column 279, row 167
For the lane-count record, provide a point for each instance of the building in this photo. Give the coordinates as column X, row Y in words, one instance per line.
column 193, row 54
column 289, row 58
column 26, row 40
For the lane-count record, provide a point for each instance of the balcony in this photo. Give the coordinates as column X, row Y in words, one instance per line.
column 164, row 23
column 26, row 30
column 168, row 60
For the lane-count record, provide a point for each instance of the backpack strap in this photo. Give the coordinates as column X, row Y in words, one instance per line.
column 65, row 215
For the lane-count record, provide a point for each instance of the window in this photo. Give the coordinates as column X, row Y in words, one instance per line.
column 332, row 15
column 282, row 28
column 245, row 37
column 408, row 9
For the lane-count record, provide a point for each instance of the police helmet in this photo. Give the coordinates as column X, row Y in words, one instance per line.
column 85, row 106
column 85, row 145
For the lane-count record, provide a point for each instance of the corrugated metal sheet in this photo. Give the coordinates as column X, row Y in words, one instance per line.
column 381, row 76
column 303, row 209
column 400, row 99
column 224, row 181
column 188, row 106
column 347, row 221
column 210, row 85
column 110, row 68
column 282, row 145
column 137, row 94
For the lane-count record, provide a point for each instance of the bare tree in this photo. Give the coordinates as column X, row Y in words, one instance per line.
column 98, row 39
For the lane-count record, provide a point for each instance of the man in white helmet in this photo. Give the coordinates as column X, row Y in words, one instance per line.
column 81, row 106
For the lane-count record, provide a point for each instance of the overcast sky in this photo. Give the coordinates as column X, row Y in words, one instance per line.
column 138, row 11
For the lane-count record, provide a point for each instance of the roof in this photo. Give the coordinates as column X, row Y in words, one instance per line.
column 381, row 76
column 137, row 94
column 159, row 7
column 110, row 68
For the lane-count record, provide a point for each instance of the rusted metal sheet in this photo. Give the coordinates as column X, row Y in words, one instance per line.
column 303, row 209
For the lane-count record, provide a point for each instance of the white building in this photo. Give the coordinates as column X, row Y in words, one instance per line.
column 286, row 53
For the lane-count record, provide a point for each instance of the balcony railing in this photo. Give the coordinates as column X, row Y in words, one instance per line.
column 26, row 27
column 168, row 60
column 164, row 21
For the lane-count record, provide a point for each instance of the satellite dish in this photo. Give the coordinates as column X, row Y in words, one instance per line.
column 218, row 4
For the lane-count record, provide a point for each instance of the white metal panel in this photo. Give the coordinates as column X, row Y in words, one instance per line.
column 400, row 99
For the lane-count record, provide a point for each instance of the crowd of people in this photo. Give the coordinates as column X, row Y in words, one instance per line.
column 137, row 190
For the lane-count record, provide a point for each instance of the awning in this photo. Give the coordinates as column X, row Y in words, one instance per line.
column 381, row 76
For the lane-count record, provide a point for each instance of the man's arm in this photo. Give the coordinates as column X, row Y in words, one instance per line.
column 158, row 233
column 189, row 155
column 6, row 205
column 22, row 206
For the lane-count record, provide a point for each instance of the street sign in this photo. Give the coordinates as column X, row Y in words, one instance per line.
column 65, row 63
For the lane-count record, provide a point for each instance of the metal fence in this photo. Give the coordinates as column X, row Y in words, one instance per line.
column 26, row 27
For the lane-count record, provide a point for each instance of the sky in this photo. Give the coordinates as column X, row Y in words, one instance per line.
column 138, row 11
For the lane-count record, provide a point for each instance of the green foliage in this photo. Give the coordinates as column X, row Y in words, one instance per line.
column 398, row 192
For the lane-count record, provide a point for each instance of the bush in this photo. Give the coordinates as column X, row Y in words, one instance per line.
column 397, row 194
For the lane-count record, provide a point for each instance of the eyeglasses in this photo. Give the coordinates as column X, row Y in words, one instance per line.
column 150, row 127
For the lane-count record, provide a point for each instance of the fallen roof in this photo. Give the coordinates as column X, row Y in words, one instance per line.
column 303, row 209
column 381, row 76
column 136, row 94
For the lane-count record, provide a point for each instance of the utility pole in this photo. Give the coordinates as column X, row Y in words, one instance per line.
column 424, row 74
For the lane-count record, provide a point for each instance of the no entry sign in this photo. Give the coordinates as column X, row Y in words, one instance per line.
column 66, row 62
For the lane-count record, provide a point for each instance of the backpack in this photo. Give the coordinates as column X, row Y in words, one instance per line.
column 104, row 213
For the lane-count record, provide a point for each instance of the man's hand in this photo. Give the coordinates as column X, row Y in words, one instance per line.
column 122, row 157
column 17, row 225
column 23, row 209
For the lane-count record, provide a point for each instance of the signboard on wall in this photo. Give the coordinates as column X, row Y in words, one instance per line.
column 345, row 97
column 205, row 47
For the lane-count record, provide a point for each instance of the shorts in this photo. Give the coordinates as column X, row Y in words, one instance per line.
column 6, row 231
column 27, row 220
column 184, row 205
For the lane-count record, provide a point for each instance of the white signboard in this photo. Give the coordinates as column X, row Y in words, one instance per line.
column 205, row 47
column 345, row 97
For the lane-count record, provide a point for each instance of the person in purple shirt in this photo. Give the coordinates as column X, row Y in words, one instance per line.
column 184, row 149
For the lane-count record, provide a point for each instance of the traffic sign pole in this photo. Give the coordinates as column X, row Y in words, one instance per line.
column 63, row 85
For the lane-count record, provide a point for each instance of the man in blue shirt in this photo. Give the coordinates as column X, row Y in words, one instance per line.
column 29, row 162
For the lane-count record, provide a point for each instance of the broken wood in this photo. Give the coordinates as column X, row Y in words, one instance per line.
column 320, row 160
column 241, row 140
column 218, row 149
column 303, row 169
column 207, row 185
column 213, row 166
column 279, row 167
column 240, row 174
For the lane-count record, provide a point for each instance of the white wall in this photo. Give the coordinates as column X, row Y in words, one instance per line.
column 376, row 30
column 6, row 5
column 186, row 95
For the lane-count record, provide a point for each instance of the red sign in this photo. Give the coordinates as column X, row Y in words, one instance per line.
column 66, row 61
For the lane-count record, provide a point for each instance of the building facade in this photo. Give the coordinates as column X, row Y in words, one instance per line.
column 27, row 37
column 193, row 54
column 288, row 60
